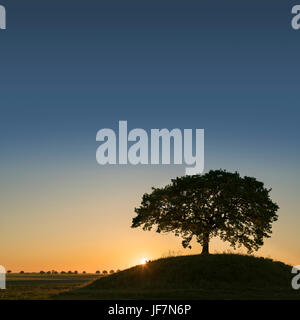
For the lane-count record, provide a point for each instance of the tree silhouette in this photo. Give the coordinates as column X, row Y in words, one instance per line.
column 104, row 272
column 97, row 272
column 111, row 271
column 9, row 271
column 219, row 203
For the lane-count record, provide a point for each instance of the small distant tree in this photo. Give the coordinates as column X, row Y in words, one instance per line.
column 70, row 272
column 97, row 272
column 63, row 272
column 83, row 272
column 216, row 204
column 49, row 272
column 104, row 272
column 9, row 271
column 75, row 272
column 22, row 272
column 42, row 272
column 111, row 271
column 118, row 270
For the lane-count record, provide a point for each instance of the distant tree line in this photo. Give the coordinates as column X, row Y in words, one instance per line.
column 104, row 272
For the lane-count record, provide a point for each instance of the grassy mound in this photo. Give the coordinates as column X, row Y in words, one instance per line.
column 218, row 276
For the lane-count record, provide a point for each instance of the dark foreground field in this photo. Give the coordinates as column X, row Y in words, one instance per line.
column 36, row 286
column 220, row 276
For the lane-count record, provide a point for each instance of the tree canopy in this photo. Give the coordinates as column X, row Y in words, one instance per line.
column 217, row 204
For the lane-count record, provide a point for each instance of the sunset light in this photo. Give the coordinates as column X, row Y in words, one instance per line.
column 150, row 157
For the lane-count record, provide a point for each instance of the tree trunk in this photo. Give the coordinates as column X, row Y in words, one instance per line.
column 205, row 247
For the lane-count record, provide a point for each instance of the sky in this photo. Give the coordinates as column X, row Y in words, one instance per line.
column 70, row 68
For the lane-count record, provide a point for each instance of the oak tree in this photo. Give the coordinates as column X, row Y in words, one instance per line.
column 217, row 204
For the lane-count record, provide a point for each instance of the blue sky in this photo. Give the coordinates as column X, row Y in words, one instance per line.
column 70, row 68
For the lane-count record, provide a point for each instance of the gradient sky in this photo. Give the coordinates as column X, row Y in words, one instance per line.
column 70, row 68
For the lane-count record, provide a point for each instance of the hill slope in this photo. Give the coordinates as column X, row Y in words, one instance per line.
column 219, row 276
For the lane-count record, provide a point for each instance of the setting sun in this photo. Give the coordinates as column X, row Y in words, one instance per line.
column 144, row 260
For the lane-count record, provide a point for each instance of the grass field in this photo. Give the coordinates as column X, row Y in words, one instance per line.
column 218, row 276
column 36, row 286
